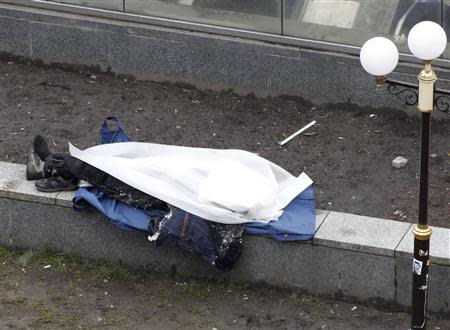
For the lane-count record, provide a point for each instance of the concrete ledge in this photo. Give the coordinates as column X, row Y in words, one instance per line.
column 359, row 233
column 351, row 255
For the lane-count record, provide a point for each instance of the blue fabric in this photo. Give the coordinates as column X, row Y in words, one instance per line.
column 297, row 223
column 189, row 232
column 108, row 136
column 120, row 214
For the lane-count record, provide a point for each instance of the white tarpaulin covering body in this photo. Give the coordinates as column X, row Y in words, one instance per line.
column 228, row 186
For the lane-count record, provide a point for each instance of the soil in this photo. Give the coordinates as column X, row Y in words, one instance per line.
column 44, row 290
column 348, row 153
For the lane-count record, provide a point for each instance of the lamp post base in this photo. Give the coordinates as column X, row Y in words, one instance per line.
column 420, row 276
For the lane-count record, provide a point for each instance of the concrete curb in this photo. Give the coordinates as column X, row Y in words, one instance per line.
column 362, row 257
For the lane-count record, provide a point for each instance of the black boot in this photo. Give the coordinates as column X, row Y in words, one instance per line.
column 56, row 183
column 62, row 178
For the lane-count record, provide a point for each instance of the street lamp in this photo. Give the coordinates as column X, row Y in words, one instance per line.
column 379, row 56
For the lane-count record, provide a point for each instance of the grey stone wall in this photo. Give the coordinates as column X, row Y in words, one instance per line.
column 364, row 258
column 204, row 60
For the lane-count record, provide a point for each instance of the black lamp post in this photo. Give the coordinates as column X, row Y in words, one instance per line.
column 379, row 56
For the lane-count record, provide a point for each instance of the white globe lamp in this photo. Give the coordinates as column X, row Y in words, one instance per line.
column 379, row 56
column 427, row 40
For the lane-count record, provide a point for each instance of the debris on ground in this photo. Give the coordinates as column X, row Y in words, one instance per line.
column 399, row 162
column 301, row 130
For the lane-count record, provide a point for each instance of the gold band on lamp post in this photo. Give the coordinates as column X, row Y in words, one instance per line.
column 422, row 232
column 427, row 77
column 379, row 81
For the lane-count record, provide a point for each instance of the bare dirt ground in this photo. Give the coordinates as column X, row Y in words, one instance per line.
column 348, row 153
column 45, row 290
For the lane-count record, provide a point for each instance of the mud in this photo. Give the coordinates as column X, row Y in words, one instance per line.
column 348, row 153
column 45, row 290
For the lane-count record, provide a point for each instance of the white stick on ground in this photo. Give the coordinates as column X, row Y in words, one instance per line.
column 301, row 130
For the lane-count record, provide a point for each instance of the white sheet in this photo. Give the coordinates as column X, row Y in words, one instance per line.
column 227, row 186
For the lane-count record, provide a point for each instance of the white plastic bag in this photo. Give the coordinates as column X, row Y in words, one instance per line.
column 236, row 187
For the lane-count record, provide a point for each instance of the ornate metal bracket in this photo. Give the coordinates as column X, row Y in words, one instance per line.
column 442, row 103
column 408, row 93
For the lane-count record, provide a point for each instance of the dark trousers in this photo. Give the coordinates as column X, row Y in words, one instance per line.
column 72, row 168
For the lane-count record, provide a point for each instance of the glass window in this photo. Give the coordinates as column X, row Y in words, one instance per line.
column 348, row 22
column 353, row 22
column 255, row 15
column 116, row 5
